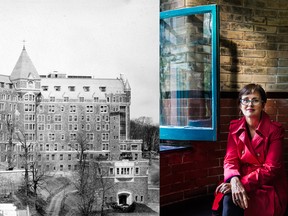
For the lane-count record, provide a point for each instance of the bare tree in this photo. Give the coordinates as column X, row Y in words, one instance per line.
column 10, row 129
column 34, row 174
column 103, row 185
column 38, row 175
column 25, row 146
column 84, row 177
column 90, row 179
column 143, row 128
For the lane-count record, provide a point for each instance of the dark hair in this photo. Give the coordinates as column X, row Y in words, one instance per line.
column 250, row 89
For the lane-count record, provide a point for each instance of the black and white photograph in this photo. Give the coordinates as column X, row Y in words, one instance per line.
column 79, row 107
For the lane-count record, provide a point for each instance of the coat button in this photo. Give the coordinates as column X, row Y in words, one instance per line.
column 258, row 154
column 242, row 152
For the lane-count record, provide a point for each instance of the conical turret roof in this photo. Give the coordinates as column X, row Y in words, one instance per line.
column 24, row 68
column 127, row 86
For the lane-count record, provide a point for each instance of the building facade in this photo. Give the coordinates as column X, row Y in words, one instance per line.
column 56, row 115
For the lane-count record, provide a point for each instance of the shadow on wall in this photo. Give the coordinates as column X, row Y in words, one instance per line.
column 229, row 48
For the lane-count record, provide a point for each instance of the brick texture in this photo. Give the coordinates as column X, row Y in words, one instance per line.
column 196, row 170
column 253, row 48
column 254, row 33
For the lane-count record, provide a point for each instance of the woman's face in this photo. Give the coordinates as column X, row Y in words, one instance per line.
column 252, row 105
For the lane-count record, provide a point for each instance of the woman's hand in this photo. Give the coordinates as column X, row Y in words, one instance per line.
column 223, row 188
column 239, row 194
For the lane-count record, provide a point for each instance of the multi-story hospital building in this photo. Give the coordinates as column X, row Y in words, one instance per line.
column 52, row 111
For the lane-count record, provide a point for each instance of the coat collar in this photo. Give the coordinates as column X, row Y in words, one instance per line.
column 238, row 126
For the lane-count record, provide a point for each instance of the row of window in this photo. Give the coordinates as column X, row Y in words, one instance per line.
column 12, row 107
column 61, row 167
column 32, row 98
column 5, row 97
column 73, row 88
column 73, row 108
column 29, row 107
column 125, row 147
column 96, row 99
column 56, row 147
column 126, row 171
column 71, row 118
column 29, row 97
column 62, row 157
column 70, row 147
column 5, row 117
column 71, row 127
column 52, row 108
column 73, row 136
column 119, row 171
column 2, row 85
column 52, row 136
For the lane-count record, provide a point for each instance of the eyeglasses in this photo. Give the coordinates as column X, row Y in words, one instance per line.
column 246, row 102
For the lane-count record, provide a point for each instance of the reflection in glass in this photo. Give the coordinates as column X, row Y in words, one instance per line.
column 185, row 71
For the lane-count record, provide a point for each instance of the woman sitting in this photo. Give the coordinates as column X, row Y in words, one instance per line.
column 254, row 174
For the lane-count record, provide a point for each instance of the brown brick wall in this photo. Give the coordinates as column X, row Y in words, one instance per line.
column 253, row 41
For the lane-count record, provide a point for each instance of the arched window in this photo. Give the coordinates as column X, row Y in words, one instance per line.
column 29, row 97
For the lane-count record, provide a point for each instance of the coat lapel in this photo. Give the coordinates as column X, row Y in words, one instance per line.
column 245, row 148
column 249, row 148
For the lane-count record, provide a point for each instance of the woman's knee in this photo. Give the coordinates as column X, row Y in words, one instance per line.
column 229, row 208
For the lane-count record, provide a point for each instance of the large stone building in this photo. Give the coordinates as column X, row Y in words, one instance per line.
column 57, row 114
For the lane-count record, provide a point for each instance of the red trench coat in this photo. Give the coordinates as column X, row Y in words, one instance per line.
column 259, row 164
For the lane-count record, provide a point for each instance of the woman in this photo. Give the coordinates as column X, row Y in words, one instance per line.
column 254, row 173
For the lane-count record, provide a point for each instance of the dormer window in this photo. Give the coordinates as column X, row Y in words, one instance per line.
column 31, row 84
column 2, row 84
column 71, row 88
column 57, row 88
column 86, row 88
column 102, row 88
column 45, row 88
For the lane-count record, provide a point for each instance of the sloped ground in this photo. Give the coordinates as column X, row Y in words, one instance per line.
column 140, row 210
column 55, row 187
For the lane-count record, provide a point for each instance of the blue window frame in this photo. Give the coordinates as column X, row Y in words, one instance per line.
column 189, row 72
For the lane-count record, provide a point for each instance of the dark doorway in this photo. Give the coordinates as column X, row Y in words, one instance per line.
column 123, row 199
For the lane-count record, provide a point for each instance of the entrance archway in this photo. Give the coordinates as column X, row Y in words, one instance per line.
column 124, row 198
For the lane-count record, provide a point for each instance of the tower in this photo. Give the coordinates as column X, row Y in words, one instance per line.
column 24, row 76
column 27, row 84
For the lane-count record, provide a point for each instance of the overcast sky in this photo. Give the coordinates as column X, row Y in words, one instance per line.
column 101, row 38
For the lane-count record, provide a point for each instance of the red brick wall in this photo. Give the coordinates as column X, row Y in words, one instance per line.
column 196, row 170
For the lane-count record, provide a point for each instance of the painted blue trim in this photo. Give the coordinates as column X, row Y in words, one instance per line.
column 189, row 11
column 182, row 133
column 199, row 133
